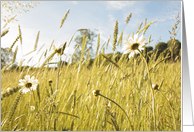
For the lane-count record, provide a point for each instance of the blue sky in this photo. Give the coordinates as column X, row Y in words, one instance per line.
column 101, row 15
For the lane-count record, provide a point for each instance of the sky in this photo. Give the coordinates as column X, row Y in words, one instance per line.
column 100, row 15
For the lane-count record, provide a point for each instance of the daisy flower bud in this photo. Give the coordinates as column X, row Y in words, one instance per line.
column 96, row 92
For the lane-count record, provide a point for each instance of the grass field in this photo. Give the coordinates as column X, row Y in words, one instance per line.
column 122, row 96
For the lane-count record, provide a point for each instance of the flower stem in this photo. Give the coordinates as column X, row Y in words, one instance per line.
column 119, row 107
column 149, row 80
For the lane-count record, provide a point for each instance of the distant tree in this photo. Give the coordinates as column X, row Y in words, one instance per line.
column 147, row 53
column 5, row 57
column 174, row 47
column 148, row 49
column 160, row 47
column 79, row 39
column 13, row 67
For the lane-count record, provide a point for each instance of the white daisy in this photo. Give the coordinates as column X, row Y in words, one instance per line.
column 32, row 108
column 132, row 44
column 28, row 84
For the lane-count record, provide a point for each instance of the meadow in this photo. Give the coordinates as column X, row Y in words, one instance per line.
column 128, row 95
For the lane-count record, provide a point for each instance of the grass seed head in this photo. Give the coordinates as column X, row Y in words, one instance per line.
column 50, row 81
column 96, row 92
column 155, row 86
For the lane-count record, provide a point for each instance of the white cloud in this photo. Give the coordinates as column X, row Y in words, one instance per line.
column 74, row 2
column 117, row 5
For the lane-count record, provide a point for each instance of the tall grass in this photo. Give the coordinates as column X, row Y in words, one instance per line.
column 64, row 100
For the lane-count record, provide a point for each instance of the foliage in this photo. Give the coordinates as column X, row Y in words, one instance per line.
column 90, row 35
column 147, row 52
column 6, row 57
column 176, row 46
column 147, row 49
column 160, row 48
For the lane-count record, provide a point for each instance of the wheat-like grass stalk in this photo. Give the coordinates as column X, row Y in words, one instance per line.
column 84, row 43
column 40, row 48
column 115, row 35
column 8, row 92
column 152, row 90
column 64, row 17
column 47, row 59
column 20, row 34
column 36, row 42
column 108, row 42
column 112, row 62
column 146, row 27
column 83, row 54
column 45, row 53
column 20, row 65
column 13, row 44
column 120, row 39
column 4, row 32
column 29, row 59
column 14, row 55
column 102, row 47
column 139, row 27
column 71, row 39
column 128, row 18
column 149, row 40
column 75, row 51
column 51, row 44
column 30, row 52
column 103, row 50
column 13, row 108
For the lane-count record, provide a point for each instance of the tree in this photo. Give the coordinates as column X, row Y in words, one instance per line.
column 147, row 53
column 5, row 57
column 160, row 47
column 174, row 47
column 90, row 35
column 148, row 49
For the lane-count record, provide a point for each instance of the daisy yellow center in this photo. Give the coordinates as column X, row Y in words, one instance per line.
column 28, row 85
column 135, row 46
